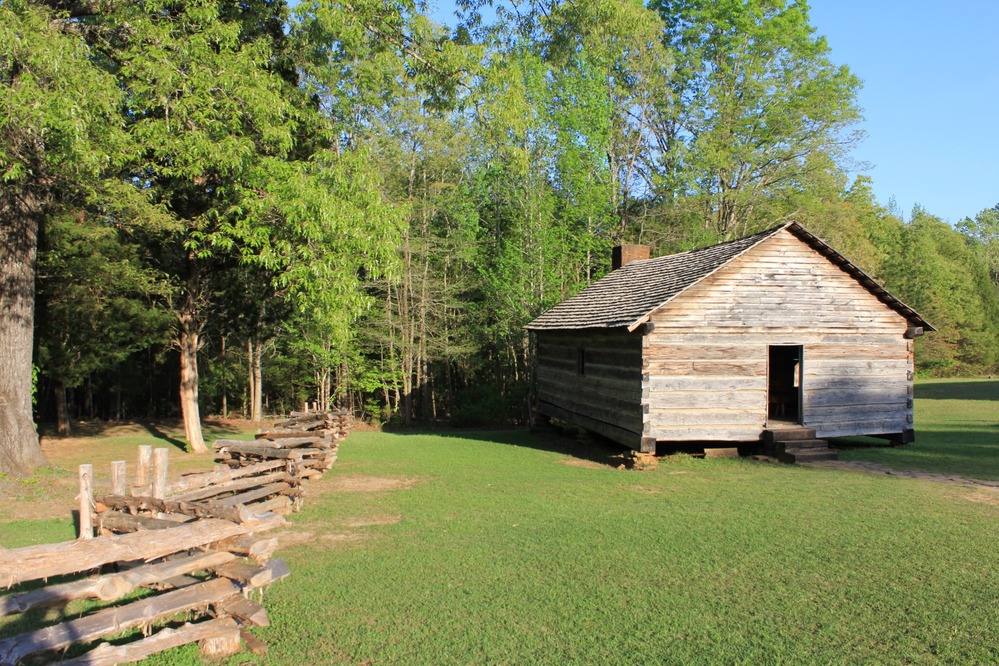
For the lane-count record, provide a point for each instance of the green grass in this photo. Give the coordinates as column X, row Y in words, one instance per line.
column 510, row 548
column 957, row 431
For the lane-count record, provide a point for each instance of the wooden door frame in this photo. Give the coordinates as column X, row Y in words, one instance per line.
column 799, row 378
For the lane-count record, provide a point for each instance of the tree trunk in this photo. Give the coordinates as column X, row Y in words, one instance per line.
column 62, row 410
column 225, row 396
column 19, row 213
column 256, row 356
column 190, row 333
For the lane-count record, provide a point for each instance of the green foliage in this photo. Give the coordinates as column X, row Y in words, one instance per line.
column 939, row 273
column 753, row 98
column 381, row 204
column 96, row 300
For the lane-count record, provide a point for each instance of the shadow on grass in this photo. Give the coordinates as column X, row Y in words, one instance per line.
column 160, row 429
column 959, row 390
column 596, row 450
column 159, row 434
column 972, row 452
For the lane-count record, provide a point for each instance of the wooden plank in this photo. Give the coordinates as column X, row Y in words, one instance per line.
column 119, row 522
column 628, row 417
column 282, row 505
column 164, row 639
column 18, row 565
column 264, row 452
column 203, row 509
column 857, row 381
column 588, row 386
column 707, row 433
column 202, row 479
column 255, row 494
column 581, row 397
column 752, row 399
column 258, row 547
column 231, row 486
column 702, row 352
column 246, row 611
column 815, row 399
column 706, row 384
column 620, row 435
column 664, row 335
column 113, row 586
column 255, row 576
column 295, row 442
column 874, row 412
column 225, row 443
column 699, row 368
column 706, row 416
column 115, row 620
column 855, row 364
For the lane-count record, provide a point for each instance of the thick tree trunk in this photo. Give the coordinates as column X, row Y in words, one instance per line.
column 62, row 410
column 19, row 214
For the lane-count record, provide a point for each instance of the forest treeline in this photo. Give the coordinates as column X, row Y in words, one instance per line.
column 238, row 207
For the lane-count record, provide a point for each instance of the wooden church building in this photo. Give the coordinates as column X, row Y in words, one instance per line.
column 729, row 343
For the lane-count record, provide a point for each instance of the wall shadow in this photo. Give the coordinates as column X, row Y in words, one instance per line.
column 595, row 449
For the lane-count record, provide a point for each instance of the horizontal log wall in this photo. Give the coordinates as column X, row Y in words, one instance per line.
column 705, row 361
column 605, row 395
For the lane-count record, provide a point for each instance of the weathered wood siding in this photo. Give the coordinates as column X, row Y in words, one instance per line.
column 606, row 397
column 705, row 361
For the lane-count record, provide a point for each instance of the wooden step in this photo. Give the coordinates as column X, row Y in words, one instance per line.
column 807, row 455
column 787, row 434
column 801, row 444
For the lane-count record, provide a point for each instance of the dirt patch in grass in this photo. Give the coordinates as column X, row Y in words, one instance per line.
column 368, row 521
column 344, row 538
column 875, row 468
column 370, row 484
column 990, row 497
column 587, row 464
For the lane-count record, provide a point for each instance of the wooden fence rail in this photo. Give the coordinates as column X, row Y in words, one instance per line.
column 196, row 548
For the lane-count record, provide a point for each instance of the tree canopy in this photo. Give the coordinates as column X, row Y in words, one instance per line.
column 242, row 207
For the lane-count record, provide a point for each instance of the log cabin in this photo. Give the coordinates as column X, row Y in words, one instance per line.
column 770, row 338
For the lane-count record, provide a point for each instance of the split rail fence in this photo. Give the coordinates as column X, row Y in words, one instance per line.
column 171, row 563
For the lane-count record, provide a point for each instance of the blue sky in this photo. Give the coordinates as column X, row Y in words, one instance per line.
column 930, row 96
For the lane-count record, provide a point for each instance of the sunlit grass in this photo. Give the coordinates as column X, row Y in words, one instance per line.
column 513, row 548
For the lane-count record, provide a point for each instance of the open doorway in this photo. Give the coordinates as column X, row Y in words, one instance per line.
column 784, row 395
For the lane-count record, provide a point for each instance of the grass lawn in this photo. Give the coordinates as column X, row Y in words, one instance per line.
column 508, row 547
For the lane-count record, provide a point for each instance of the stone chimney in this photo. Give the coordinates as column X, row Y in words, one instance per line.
column 625, row 254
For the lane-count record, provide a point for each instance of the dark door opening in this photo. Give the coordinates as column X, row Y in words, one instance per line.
column 784, row 383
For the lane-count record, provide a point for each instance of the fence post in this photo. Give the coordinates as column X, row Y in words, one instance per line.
column 118, row 484
column 160, row 462
column 86, row 501
column 142, row 469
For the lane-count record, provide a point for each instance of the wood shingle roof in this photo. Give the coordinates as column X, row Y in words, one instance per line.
column 624, row 298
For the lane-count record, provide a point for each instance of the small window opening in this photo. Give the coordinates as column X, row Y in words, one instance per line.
column 580, row 361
